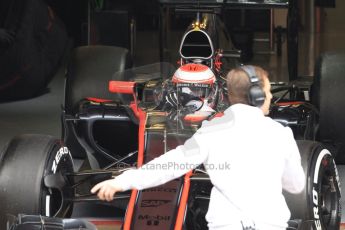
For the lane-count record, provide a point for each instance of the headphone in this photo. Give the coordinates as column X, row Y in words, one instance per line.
column 256, row 95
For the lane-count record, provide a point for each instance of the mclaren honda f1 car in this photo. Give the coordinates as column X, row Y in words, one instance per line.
column 116, row 117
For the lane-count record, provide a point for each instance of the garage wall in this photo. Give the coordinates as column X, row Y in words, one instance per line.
column 333, row 28
column 333, row 18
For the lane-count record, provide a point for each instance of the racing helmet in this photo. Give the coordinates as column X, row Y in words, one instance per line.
column 197, row 81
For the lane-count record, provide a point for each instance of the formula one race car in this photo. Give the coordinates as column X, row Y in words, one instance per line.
column 110, row 126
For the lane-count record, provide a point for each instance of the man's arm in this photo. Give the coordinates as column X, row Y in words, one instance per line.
column 167, row 167
column 293, row 179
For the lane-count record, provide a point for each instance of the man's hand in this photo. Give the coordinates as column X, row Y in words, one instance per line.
column 106, row 189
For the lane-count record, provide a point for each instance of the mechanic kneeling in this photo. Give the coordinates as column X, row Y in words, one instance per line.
column 262, row 156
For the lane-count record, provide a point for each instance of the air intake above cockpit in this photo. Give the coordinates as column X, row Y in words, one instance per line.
column 196, row 44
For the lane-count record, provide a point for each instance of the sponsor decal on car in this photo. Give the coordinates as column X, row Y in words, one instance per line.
column 153, row 203
column 315, row 193
column 316, row 209
column 172, row 190
column 153, row 220
column 324, row 160
column 59, row 155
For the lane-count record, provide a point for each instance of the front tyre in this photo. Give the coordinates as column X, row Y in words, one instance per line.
column 24, row 163
column 318, row 206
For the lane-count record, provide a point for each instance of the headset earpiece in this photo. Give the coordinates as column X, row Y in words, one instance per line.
column 256, row 95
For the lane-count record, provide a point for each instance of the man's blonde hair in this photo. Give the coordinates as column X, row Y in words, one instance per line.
column 238, row 84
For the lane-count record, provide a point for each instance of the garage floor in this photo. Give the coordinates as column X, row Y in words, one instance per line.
column 42, row 114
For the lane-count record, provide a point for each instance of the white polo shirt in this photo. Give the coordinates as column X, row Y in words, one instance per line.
column 250, row 158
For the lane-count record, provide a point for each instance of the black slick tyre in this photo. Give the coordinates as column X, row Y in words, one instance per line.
column 318, row 205
column 24, row 163
column 89, row 71
column 327, row 91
